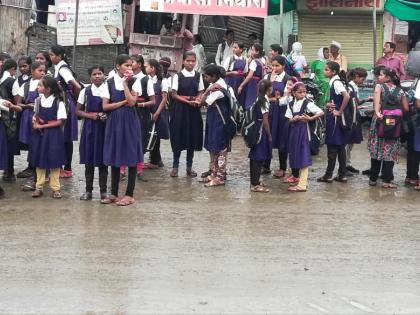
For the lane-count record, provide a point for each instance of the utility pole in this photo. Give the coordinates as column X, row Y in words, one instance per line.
column 281, row 22
column 76, row 22
column 374, row 31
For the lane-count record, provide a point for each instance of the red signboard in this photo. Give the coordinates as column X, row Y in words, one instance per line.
column 255, row 8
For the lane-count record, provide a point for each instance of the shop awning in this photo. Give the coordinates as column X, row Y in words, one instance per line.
column 404, row 10
column 274, row 6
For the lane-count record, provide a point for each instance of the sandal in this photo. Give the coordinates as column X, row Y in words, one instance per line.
column 340, row 179
column 66, row 174
column 207, row 179
column 279, row 173
column 389, row 185
column 411, row 182
column 56, row 194
column 191, row 173
column 174, row 172
column 108, row 199
column 125, row 201
column 296, row 189
column 37, row 193
column 29, row 186
column 215, row 182
column 206, row 174
column 417, row 187
column 290, row 180
column 260, row 188
column 150, row 166
column 325, row 179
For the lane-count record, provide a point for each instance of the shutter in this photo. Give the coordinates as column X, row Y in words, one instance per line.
column 243, row 26
column 353, row 32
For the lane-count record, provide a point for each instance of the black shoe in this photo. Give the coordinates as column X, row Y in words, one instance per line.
column 9, row 177
column 141, row 177
column 341, row 179
column 349, row 174
column 372, row 183
column 26, row 173
column 366, row 172
column 352, row 169
column 325, row 179
column 2, row 193
column 86, row 196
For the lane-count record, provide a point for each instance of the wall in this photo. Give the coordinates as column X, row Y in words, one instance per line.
column 13, row 25
column 272, row 30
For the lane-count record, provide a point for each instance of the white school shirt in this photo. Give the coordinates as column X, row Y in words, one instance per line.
column 139, row 75
column 16, row 86
column 277, row 78
column 111, row 74
column 187, row 74
column 119, row 87
column 355, row 88
column 338, row 85
column 417, row 93
column 216, row 95
column 96, row 91
column 63, row 71
column 6, row 75
column 230, row 65
column 33, row 85
column 47, row 102
column 297, row 105
column 226, row 54
column 137, row 87
column 164, row 85
column 266, row 108
column 253, row 64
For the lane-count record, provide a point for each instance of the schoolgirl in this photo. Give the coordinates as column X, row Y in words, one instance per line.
column 122, row 142
column 24, row 65
column 159, row 110
column 44, row 58
column 5, row 107
column 139, row 69
column 385, row 150
column 279, row 124
column 255, row 74
column 25, row 98
column 186, row 123
column 46, row 151
column 237, row 68
column 262, row 151
column 10, row 119
column 356, row 77
column 91, row 148
column 335, row 132
column 65, row 77
column 216, row 141
column 300, row 111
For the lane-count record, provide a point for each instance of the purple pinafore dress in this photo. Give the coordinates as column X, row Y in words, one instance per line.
column 261, row 151
column 3, row 146
column 186, row 124
column 251, row 88
column 162, row 123
column 122, row 146
column 355, row 135
column 335, row 132
column 299, row 147
column 144, row 113
column 70, row 127
column 25, row 130
column 215, row 139
column 235, row 81
column 46, row 148
column 279, row 124
column 93, row 133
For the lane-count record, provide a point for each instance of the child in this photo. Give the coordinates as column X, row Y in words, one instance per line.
column 47, row 144
column 262, row 151
column 335, row 132
column 122, row 142
column 44, row 58
column 299, row 148
column 236, row 69
column 138, row 66
column 159, row 110
column 186, row 124
column 65, row 77
column 216, row 140
column 279, row 124
column 10, row 119
column 89, row 107
column 24, row 65
column 255, row 74
column 388, row 96
column 356, row 78
column 25, row 98
column 198, row 49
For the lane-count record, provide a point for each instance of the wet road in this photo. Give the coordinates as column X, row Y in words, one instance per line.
column 183, row 248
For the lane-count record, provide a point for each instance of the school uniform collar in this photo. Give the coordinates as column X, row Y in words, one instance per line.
column 96, row 89
column 139, row 75
column 47, row 101
column 280, row 77
column 220, row 82
column 154, row 79
column 60, row 64
column 188, row 73
column 6, row 75
column 238, row 57
column 336, row 77
column 117, row 78
column 25, row 77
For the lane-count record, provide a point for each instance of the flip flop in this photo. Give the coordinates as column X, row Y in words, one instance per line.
column 125, row 201
column 215, row 182
column 296, row 189
column 260, row 188
column 109, row 199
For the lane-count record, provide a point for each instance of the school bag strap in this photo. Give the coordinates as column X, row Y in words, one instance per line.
column 87, row 89
column 388, row 96
column 26, row 87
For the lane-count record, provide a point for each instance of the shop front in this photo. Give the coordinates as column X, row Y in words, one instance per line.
column 349, row 22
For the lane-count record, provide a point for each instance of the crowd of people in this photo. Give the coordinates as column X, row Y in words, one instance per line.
column 41, row 106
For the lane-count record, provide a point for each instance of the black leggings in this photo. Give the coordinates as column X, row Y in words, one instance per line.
column 282, row 161
column 387, row 170
column 103, row 177
column 131, row 180
column 155, row 157
column 10, row 164
column 335, row 151
column 255, row 171
column 68, row 146
column 413, row 158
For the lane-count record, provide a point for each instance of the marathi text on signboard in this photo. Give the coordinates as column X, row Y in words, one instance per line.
column 338, row 5
column 99, row 22
column 255, row 8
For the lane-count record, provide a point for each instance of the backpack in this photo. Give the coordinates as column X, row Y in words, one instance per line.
column 252, row 127
column 348, row 114
column 390, row 126
column 9, row 118
column 229, row 123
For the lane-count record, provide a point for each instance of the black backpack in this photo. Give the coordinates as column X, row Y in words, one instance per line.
column 252, row 127
column 229, row 123
column 9, row 118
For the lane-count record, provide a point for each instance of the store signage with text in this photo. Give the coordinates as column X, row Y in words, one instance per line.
column 256, row 8
column 338, row 5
